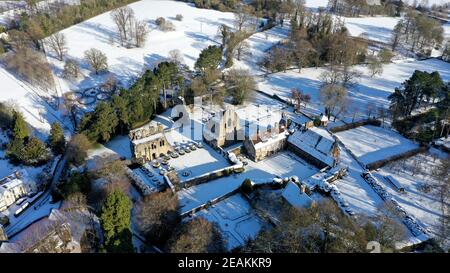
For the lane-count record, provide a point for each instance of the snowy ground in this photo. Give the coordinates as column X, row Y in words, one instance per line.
column 283, row 164
column 30, row 101
column 374, row 28
column 198, row 162
column 415, row 174
column 368, row 90
column 371, row 143
column 362, row 199
column 235, row 218
column 258, row 45
column 196, row 31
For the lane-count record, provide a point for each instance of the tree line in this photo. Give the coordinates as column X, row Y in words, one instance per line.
column 418, row 33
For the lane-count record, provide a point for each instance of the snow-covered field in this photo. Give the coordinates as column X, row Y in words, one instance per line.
column 368, row 90
column 235, row 218
column 371, row 143
column 415, row 174
column 196, row 31
column 374, row 28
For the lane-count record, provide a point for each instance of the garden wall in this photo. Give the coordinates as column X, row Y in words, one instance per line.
column 381, row 163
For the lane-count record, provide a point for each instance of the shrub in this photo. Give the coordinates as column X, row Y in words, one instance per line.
column 179, row 17
column 164, row 24
column 78, row 182
column 71, row 69
column 160, row 21
column 385, row 55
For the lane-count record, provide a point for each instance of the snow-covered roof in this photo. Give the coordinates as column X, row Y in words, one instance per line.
column 269, row 139
column 14, row 180
column 295, row 197
column 12, row 184
column 316, row 142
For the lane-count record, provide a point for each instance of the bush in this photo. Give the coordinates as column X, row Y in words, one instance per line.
column 179, row 17
column 164, row 25
column 160, row 21
column 77, row 149
column 385, row 55
column 78, row 182
column 71, row 69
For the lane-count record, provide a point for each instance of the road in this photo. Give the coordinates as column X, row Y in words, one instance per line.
column 40, row 209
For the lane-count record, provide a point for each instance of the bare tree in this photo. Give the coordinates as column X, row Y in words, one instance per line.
column 242, row 47
column 197, row 236
column 334, row 98
column 157, row 216
column 348, row 75
column 96, row 59
column 176, row 56
column 140, row 33
column 331, row 76
column 71, row 69
column 32, row 66
column 57, row 43
column 375, row 66
column 242, row 18
column 19, row 40
column 370, row 109
column 123, row 17
column 240, row 84
column 382, row 114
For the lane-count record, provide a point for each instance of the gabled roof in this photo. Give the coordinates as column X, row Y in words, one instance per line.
column 316, row 142
column 295, row 197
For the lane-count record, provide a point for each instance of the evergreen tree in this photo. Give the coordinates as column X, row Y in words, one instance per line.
column 20, row 129
column 56, row 139
column 116, row 222
column 209, row 58
column 411, row 95
column 34, row 152
column 101, row 124
column 120, row 105
column 14, row 150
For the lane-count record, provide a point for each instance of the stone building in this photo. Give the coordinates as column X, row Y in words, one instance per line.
column 14, row 187
column 265, row 144
column 316, row 146
column 223, row 129
column 149, row 142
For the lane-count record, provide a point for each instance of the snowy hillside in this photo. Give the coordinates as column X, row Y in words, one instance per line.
column 196, row 31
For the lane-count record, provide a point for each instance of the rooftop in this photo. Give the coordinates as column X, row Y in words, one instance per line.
column 295, row 196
